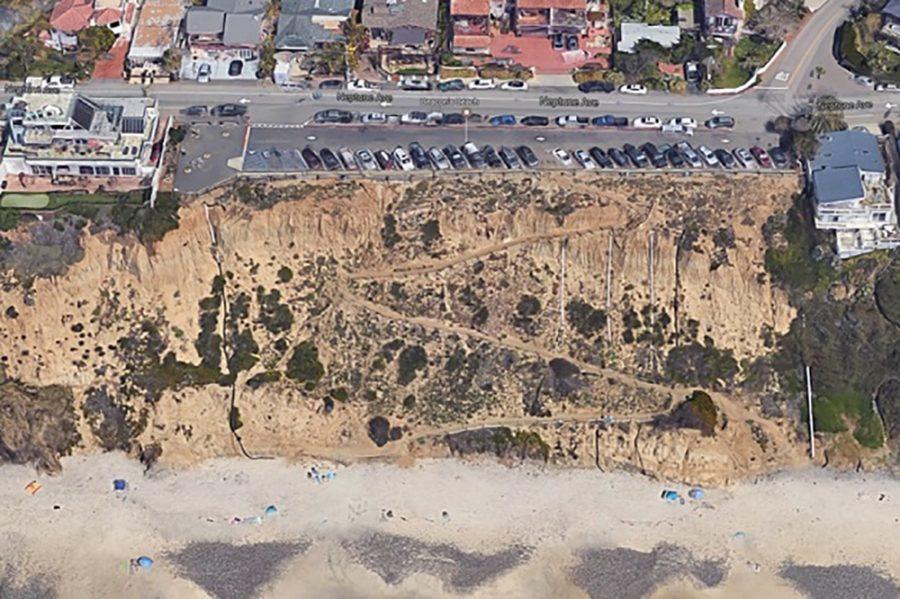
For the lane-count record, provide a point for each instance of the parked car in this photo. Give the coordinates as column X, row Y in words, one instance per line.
column 453, row 118
column 646, row 122
column 636, row 156
column 438, row 160
column 331, row 84
column 491, row 157
column 514, row 85
column 674, row 157
column 414, row 118
column 863, row 80
column 415, row 85
column 762, row 157
column 57, row 82
column 311, row 159
column 608, row 120
column 572, row 120
column 571, row 43
column 585, row 160
column 708, row 156
column 600, row 157
column 720, row 122
column 480, row 83
column 333, row 115
column 633, row 89
column 562, row 156
column 527, row 156
column 385, row 160
column 366, row 160
column 725, row 158
column 473, row 155
column 692, row 72
column 195, row 111
column 887, row 87
column 402, row 159
column 347, row 159
column 330, row 159
column 780, row 157
column 690, row 155
column 744, row 158
column 557, row 41
column 435, row 118
column 455, row 157
column 535, row 121
column 419, row 155
column 656, row 158
column 684, row 122
column 451, row 85
column 373, row 118
column 361, row 85
column 509, row 157
column 502, row 120
column 617, row 156
column 232, row 110
column 589, row 87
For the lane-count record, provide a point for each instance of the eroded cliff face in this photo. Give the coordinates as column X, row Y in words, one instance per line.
column 542, row 304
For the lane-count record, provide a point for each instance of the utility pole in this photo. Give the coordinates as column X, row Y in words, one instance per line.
column 809, row 404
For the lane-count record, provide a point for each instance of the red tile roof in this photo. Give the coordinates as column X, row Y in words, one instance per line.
column 470, row 7
column 672, row 70
column 112, row 65
column 72, row 16
column 105, row 16
column 471, row 41
column 563, row 4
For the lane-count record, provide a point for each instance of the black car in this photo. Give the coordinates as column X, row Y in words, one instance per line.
column 600, row 157
column 454, row 118
column 229, row 110
column 656, row 158
column 725, row 158
column 330, row 159
column 455, row 157
column 490, row 156
column 311, row 159
column 637, row 158
column 780, row 157
column 675, row 158
column 618, row 157
column 509, row 157
column 195, row 111
column 596, row 86
column 528, row 156
column 384, row 160
column 333, row 115
column 535, row 121
column 331, row 84
column 418, row 155
column 453, row 85
column 720, row 122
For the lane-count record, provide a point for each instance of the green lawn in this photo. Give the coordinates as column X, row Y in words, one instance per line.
column 28, row 201
column 57, row 200
column 732, row 75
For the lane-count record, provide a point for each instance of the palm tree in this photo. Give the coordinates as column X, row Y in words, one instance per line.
column 825, row 115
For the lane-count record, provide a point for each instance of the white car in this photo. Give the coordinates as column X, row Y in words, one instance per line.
column 435, row 118
column 59, row 82
column 564, row 158
column 438, row 159
column 514, row 85
column 414, row 118
column 347, row 158
column 401, row 157
column 585, row 160
column 709, row 156
column 482, row 84
column 744, row 157
column 373, row 118
column 685, row 122
column 886, row 87
column 633, row 89
column 572, row 120
column 361, row 85
column 646, row 122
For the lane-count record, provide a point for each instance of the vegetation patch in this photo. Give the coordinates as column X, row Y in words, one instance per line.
column 697, row 412
column 703, row 365
column 586, row 319
column 303, row 366
column 500, row 441
column 275, row 316
column 412, row 359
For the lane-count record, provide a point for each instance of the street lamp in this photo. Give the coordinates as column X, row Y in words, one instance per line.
column 466, row 112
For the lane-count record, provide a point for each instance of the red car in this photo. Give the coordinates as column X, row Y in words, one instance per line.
column 762, row 157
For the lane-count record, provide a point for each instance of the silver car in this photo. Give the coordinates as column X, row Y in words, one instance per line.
column 366, row 160
column 438, row 159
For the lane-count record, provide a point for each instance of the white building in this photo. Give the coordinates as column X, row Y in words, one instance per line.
column 66, row 136
column 854, row 193
column 632, row 33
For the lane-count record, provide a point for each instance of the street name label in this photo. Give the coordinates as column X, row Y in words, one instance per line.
column 827, row 104
column 363, row 97
column 560, row 101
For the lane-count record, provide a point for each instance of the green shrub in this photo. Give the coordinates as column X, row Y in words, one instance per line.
column 412, row 359
column 285, row 274
column 304, row 366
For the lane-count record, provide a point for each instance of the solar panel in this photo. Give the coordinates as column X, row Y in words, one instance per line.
column 133, row 124
column 83, row 113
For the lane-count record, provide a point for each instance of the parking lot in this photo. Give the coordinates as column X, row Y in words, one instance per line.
column 203, row 160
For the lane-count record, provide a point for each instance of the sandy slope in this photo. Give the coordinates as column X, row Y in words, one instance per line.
column 83, row 547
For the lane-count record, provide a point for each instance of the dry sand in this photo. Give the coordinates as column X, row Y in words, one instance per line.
column 439, row 529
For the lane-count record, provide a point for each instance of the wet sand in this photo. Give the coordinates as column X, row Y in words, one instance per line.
column 440, row 529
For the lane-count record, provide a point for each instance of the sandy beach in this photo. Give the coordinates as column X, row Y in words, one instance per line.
column 440, row 528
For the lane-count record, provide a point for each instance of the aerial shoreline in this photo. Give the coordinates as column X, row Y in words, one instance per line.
column 544, row 529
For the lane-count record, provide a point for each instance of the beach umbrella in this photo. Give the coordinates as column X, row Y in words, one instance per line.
column 144, row 562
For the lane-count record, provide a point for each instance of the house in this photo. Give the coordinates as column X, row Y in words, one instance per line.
column 632, row 33
column 890, row 23
column 223, row 40
column 69, row 138
column 854, row 193
column 69, row 17
column 471, row 26
column 401, row 33
column 723, row 18
column 547, row 18
column 156, row 32
column 307, row 25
